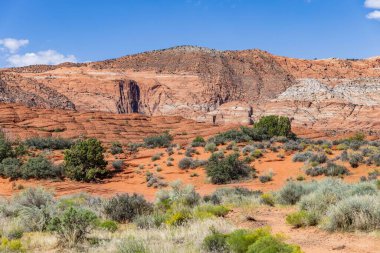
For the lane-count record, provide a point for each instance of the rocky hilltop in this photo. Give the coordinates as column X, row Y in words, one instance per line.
column 205, row 85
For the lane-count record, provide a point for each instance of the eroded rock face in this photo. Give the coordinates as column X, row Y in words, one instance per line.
column 220, row 87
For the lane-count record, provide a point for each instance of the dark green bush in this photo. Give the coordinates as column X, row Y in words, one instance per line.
column 274, row 125
column 40, row 168
column 155, row 141
column 198, row 142
column 10, row 168
column 231, row 135
column 84, row 161
column 125, row 207
column 49, row 143
column 73, row 225
column 225, row 170
column 5, row 148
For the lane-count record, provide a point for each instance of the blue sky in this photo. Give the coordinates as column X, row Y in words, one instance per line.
column 53, row 31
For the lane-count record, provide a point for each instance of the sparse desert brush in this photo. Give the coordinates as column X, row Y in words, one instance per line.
column 237, row 196
column 333, row 170
column 156, row 157
column 355, row 213
column 267, row 177
column 118, row 165
column 268, row 199
column 302, row 157
column 125, row 207
column 163, row 140
column 186, row 163
column 292, row 192
column 49, row 143
column 116, row 148
column 210, row 147
column 355, row 159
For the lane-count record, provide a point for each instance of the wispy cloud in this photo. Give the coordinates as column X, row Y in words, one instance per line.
column 42, row 57
column 374, row 15
column 373, row 4
column 13, row 45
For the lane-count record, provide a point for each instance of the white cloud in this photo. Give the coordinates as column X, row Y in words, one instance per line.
column 373, row 4
column 374, row 15
column 13, row 45
column 42, row 57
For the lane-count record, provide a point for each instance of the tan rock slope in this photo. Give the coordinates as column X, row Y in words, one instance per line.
column 331, row 96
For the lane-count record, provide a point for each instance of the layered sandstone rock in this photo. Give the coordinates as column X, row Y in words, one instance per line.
column 211, row 86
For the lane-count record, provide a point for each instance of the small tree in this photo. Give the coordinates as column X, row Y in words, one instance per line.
column 85, row 161
column 274, row 125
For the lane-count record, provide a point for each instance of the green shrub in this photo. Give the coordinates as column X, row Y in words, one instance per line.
column 163, row 140
column 178, row 218
column 270, row 244
column 225, row 170
column 274, row 125
column 40, row 168
column 215, row 243
column 268, row 199
column 210, row 147
column 355, row 213
column 240, row 240
column 116, row 148
column 198, row 142
column 108, row 225
column 10, row 246
column 84, row 161
column 73, row 225
column 300, row 219
column 292, row 192
column 125, row 207
column 10, row 168
column 230, row 135
column 49, row 143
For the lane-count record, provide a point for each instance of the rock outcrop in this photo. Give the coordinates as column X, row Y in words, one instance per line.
column 210, row 86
